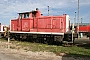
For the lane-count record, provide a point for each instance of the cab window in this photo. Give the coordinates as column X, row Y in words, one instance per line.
column 26, row 15
column 20, row 16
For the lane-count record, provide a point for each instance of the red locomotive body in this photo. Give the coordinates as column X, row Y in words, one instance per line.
column 58, row 24
column 85, row 28
column 33, row 25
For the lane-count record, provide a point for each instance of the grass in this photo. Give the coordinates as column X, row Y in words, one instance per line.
column 79, row 51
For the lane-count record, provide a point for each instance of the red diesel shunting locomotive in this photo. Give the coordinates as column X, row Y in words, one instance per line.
column 33, row 26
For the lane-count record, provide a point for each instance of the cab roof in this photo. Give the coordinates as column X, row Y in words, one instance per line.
column 24, row 12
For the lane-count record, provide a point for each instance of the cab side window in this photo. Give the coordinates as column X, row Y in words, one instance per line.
column 26, row 15
column 20, row 16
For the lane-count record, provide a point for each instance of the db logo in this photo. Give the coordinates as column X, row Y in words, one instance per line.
column 26, row 24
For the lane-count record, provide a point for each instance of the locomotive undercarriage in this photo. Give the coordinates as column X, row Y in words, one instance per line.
column 44, row 38
column 39, row 38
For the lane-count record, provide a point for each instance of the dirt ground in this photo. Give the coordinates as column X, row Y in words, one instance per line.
column 14, row 54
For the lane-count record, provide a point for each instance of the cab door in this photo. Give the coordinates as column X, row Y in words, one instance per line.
column 26, row 25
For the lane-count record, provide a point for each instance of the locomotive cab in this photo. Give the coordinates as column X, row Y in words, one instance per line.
column 25, row 20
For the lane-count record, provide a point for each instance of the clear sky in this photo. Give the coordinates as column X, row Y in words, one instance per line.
column 10, row 8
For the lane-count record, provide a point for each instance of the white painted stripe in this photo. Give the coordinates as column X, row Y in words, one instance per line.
column 10, row 25
column 67, row 22
column 38, row 32
column 60, row 23
column 51, row 23
column 83, row 31
column 2, row 27
column 1, row 31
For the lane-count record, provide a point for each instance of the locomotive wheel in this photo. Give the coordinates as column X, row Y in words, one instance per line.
column 45, row 40
column 15, row 38
column 40, row 40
